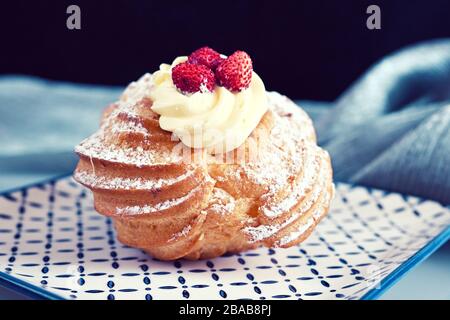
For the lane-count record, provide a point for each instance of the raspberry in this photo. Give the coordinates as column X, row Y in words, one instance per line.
column 190, row 78
column 235, row 73
column 207, row 57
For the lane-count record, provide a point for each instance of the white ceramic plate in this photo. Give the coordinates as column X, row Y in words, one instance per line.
column 54, row 244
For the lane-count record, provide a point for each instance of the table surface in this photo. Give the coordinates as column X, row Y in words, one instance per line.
column 429, row 280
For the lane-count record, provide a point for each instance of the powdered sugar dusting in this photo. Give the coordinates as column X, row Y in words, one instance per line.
column 292, row 145
column 129, row 127
column 182, row 233
column 262, row 232
column 96, row 147
column 291, row 116
column 222, row 202
column 306, row 182
column 135, row 91
column 304, row 227
column 119, row 183
column 294, row 235
column 160, row 206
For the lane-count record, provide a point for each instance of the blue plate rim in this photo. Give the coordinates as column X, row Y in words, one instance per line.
column 374, row 293
column 398, row 273
column 28, row 289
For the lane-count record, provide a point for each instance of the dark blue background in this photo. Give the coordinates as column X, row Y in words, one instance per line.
column 305, row 49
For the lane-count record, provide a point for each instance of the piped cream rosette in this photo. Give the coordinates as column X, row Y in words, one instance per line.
column 219, row 121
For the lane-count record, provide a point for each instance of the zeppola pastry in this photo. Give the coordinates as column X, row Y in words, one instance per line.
column 198, row 159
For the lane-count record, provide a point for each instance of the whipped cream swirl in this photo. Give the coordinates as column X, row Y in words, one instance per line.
column 219, row 121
